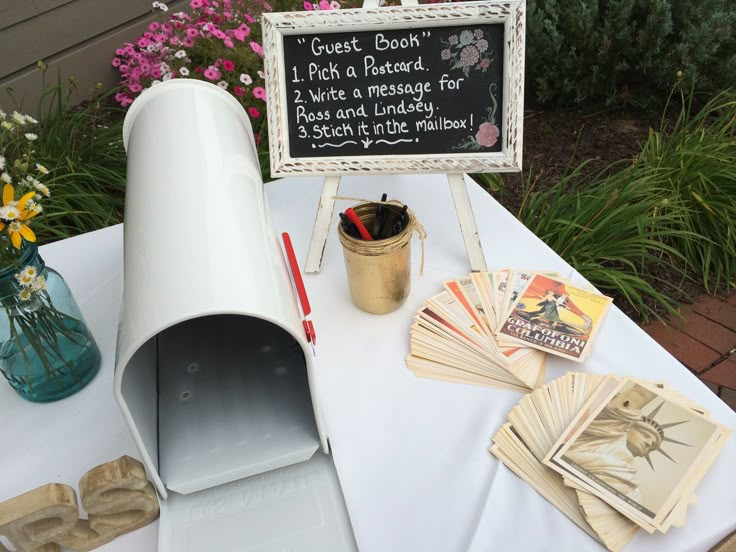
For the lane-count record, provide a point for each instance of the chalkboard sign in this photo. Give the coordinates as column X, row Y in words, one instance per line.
column 434, row 88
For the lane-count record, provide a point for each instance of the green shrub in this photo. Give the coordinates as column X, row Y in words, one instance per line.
column 613, row 231
column 83, row 149
column 638, row 230
column 627, row 51
column 699, row 155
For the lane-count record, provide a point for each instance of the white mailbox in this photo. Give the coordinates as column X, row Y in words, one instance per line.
column 214, row 374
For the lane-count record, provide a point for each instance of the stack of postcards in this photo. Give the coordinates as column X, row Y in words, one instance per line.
column 494, row 328
column 613, row 454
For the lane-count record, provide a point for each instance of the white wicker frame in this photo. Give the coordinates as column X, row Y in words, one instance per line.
column 511, row 13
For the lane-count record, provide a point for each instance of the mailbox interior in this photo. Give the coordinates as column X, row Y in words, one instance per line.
column 233, row 401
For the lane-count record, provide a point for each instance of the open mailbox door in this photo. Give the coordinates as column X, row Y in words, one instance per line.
column 214, row 373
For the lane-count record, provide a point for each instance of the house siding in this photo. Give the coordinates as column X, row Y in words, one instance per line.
column 75, row 38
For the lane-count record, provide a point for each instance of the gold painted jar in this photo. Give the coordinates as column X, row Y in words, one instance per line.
column 379, row 271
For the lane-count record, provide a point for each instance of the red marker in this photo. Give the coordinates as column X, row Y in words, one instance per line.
column 364, row 233
column 300, row 289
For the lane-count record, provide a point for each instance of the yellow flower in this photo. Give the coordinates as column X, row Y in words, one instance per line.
column 17, row 229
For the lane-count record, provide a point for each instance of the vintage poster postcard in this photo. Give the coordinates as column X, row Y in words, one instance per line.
column 467, row 295
column 498, row 290
column 483, row 282
column 637, row 450
column 447, row 305
column 555, row 316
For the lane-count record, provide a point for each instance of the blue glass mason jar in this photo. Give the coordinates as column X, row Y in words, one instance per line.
column 46, row 350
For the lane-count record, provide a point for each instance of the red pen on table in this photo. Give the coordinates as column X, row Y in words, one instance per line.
column 300, row 289
column 364, row 233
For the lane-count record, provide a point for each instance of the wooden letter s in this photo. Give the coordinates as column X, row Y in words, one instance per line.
column 33, row 521
column 118, row 499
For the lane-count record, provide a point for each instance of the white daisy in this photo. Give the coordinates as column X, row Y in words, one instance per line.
column 25, row 277
column 7, row 125
column 39, row 283
column 31, row 120
column 42, row 188
column 184, row 72
column 10, row 213
column 2, row 162
column 5, row 177
column 25, row 294
column 2, row 115
column 40, row 168
column 31, row 137
column 19, row 118
column 30, row 271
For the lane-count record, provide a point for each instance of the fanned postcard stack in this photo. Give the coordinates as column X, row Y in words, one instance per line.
column 494, row 328
column 613, row 454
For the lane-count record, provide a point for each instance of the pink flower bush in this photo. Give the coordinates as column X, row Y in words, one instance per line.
column 260, row 93
column 487, row 135
column 216, row 41
column 256, row 48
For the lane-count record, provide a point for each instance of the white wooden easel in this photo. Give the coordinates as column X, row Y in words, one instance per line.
column 457, row 188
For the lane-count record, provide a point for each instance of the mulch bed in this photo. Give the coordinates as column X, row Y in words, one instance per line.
column 556, row 139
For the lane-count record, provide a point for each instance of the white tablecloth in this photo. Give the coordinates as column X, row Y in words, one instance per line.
column 411, row 453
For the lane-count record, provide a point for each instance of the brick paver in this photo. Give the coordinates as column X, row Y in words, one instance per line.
column 716, row 309
column 711, row 334
column 691, row 352
column 723, row 374
column 704, row 340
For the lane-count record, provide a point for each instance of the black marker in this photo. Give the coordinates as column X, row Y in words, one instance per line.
column 378, row 220
column 349, row 228
column 404, row 216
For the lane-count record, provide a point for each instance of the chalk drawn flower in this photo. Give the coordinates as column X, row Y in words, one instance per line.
column 469, row 56
column 487, row 135
column 488, row 132
column 468, row 51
